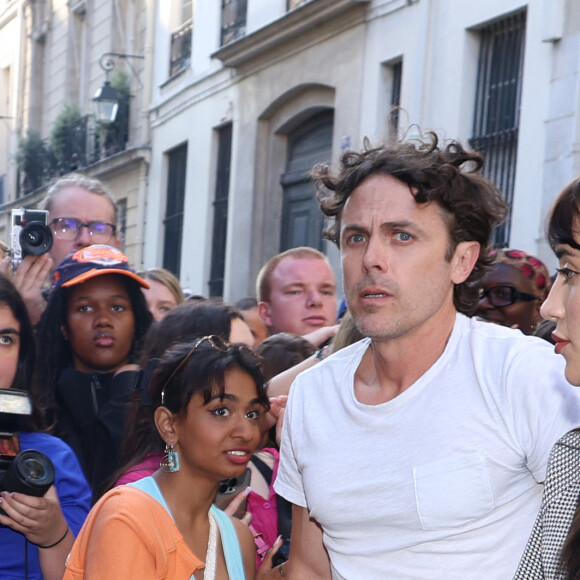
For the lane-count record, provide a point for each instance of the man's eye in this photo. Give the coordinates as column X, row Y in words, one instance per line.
column 403, row 236
column 293, row 292
column 356, row 239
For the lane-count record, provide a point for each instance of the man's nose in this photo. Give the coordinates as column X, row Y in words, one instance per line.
column 314, row 298
column 375, row 256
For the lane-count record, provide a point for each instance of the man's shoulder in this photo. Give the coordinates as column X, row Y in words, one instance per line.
column 338, row 361
column 482, row 334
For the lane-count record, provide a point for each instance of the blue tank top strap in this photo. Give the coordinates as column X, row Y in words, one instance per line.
column 150, row 487
column 230, row 544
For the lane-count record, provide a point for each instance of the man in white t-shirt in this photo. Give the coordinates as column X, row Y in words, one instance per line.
column 418, row 453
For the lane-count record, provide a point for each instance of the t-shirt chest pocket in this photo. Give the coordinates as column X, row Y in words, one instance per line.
column 453, row 492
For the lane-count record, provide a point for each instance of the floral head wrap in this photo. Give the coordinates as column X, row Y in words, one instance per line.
column 528, row 266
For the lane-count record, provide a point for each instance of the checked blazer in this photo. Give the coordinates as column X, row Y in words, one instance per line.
column 541, row 558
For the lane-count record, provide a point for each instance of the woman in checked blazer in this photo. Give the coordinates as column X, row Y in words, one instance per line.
column 553, row 550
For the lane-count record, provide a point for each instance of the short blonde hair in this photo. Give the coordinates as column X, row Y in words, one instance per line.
column 263, row 281
column 81, row 181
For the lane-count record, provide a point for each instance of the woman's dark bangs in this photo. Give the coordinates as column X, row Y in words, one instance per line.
column 561, row 227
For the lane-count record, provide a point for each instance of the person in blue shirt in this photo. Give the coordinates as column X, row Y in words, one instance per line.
column 36, row 533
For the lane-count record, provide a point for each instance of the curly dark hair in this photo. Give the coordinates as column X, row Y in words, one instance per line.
column 471, row 204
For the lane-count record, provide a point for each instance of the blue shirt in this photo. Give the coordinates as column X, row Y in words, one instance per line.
column 75, row 501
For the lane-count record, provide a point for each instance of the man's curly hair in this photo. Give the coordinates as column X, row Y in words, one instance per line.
column 471, row 204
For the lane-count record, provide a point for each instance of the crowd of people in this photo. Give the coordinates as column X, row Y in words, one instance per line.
column 426, row 427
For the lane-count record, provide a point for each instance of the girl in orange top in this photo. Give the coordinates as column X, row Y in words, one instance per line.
column 208, row 398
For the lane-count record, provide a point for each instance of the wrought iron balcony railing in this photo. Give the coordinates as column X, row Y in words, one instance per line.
column 181, row 40
column 233, row 19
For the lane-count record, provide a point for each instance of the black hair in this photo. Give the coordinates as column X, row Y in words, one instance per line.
column 202, row 373
column 188, row 321
column 57, row 351
column 564, row 220
column 24, row 378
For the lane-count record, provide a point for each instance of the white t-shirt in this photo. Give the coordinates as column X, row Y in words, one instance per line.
column 442, row 481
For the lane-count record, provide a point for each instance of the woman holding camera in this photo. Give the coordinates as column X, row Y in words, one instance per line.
column 207, row 398
column 90, row 331
column 36, row 533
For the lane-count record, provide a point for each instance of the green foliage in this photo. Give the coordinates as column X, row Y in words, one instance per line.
column 65, row 124
column 120, row 81
column 34, row 159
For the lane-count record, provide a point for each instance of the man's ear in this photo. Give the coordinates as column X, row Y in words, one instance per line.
column 165, row 422
column 264, row 312
column 463, row 261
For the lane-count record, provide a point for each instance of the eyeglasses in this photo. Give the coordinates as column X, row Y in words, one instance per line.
column 70, row 228
column 215, row 341
column 503, row 295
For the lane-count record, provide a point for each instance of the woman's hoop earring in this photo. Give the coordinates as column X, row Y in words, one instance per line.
column 170, row 461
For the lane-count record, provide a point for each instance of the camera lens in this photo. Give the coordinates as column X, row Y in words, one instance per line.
column 35, row 239
column 31, row 472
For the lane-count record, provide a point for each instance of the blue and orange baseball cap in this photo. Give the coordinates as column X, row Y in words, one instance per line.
column 90, row 262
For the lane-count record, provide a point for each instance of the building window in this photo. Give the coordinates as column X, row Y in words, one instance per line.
column 497, row 106
column 122, row 221
column 220, row 212
column 233, row 19
column 296, row 3
column 396, row 74
column 176, row 171
column 181, row 39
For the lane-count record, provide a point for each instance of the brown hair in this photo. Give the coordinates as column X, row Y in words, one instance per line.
column 449, row 177
column 263, row 281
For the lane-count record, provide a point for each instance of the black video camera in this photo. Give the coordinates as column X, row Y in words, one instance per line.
column 29, row 472
column 30, row 234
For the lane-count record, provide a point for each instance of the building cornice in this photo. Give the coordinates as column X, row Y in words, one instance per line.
column 285, row 29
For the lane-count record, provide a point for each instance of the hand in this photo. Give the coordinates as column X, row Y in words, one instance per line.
column 39, row 519
column 321, row 335
column 265, row 570
column 275, row 416
column 236, row 502
column 28, row 279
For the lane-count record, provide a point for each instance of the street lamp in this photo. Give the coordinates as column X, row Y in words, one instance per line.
column 107, row 99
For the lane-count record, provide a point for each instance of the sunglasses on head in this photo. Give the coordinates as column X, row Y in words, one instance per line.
column 215, row 341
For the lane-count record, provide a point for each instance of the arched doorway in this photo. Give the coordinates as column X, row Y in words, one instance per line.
column 308, row 144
